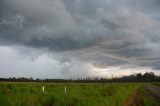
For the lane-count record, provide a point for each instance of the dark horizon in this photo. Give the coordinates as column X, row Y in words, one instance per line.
column 137, row 77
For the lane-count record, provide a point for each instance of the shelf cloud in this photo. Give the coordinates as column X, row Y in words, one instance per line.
column 81, row 35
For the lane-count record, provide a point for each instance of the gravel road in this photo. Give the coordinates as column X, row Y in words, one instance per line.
column 155, row 90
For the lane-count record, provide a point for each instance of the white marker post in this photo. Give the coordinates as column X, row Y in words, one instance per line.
column 43, row 89
column 65, row 90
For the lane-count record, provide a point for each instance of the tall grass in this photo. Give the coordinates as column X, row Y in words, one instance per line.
column 30, row 94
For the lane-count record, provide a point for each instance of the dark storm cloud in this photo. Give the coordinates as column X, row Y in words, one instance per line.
column 104, row 33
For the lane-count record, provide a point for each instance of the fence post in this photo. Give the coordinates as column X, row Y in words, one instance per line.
column 43, row 89
column 65, row 89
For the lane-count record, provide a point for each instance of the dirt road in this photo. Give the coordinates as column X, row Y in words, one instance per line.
column 154, row 90
column 136, row 98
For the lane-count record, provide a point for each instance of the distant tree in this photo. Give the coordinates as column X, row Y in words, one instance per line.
column 149, row 76
column 139, row 77
column 30, row 78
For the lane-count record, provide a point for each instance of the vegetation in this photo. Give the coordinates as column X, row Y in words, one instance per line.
column 146, row 98
column 30, row 94
column 80, row 92
column 137, row 77
column 156, row 83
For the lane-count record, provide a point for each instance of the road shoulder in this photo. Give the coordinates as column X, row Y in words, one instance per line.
column 144, row 96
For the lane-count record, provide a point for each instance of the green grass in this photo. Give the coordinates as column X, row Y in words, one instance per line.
column 30, row 94
column 156, row 83
column 147, row 99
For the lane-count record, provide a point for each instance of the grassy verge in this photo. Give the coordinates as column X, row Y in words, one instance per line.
column 30, row 94
column 147, row 99
column 143, row 97
column 156, row 83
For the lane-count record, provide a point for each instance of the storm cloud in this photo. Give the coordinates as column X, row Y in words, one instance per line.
column 84, row 34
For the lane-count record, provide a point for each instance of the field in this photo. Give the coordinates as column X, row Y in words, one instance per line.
column 31, row 94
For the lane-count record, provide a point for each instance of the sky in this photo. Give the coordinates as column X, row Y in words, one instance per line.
column 79, row 38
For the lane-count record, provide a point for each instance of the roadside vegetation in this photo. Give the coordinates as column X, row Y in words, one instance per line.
column 143, row 96
column 30, row 94
column 132, row 90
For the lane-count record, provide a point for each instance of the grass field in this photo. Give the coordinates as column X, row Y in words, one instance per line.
column 30, row 94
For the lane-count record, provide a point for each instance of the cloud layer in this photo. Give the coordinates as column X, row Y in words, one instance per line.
column 91, row 33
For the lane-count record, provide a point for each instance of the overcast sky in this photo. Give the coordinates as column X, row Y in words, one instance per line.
column 79, row 38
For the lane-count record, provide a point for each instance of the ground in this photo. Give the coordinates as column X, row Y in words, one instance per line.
column 79, row 94
column 149, row 95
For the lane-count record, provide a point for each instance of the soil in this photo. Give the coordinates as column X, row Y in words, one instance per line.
column 134, row 99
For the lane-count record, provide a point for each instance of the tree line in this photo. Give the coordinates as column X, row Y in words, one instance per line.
column 137, row 77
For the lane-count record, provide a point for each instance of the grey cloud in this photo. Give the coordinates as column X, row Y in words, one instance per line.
column 103, row 33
